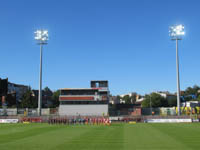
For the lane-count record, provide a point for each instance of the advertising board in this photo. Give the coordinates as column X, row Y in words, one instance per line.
column 167, row 120
column 9, row 120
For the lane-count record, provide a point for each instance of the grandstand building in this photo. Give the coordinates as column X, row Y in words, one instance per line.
column 85, row 101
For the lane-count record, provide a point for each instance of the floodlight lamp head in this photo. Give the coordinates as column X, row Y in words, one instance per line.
column 41, row 36
column 176, row 32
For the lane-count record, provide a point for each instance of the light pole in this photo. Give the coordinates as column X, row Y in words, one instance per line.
column 150, row 104
column 41, row 36
column 176, row 33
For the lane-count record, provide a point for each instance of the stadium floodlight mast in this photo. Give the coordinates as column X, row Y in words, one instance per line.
column 42, row 37
column 176, row 32
column 150, row 104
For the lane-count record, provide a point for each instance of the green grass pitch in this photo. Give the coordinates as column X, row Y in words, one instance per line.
column 98, row 137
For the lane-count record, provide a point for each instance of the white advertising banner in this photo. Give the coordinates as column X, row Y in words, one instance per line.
column 167, row 120
column 115, row 118
column 9, row 120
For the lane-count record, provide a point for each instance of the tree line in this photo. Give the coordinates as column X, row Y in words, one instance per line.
column 156, row 100
column 29, row 99
column 51, row 98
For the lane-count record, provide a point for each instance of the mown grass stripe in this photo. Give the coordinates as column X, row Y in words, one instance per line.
column 86, row 137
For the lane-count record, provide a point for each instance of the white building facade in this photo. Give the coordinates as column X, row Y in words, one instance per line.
column 85, row 101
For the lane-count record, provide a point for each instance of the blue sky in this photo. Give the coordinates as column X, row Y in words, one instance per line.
column 125, row 42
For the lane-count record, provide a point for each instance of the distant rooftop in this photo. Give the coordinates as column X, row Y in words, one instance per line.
column 77, row 89
column 99, row 80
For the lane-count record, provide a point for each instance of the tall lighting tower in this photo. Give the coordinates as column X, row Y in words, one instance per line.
column 42, row 37
column 176, row 33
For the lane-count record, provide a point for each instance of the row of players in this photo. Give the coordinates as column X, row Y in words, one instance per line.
column 85, row 121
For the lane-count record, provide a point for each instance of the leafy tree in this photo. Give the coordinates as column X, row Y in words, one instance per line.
column 47, row 97
column 127, row 99
column 28, row 101
column 192, row 90
column 118, row 97
column 172, row 102
column 146, row 102
column 47, row 91
column 187, row 98
column 155, row 99
column 198, row 98
column 133, row 98
column 55, row 98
